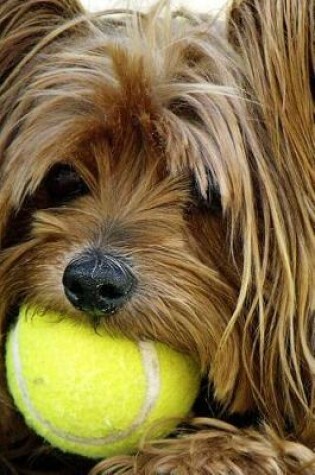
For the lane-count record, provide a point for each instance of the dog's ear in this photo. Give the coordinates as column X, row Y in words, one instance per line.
column 275, row 41
column 26, row 27
column 23, row 23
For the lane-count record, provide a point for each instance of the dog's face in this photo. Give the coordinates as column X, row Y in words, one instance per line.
column 122, row 222
column 140, row 191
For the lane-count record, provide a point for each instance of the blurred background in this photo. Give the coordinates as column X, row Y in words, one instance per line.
column 196, row 5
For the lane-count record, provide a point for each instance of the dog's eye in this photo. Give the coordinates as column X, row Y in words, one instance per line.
column 214, row 202
column 211, row 202
column 63, row 184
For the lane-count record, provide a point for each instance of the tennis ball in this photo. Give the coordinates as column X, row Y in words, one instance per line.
column 90, row 393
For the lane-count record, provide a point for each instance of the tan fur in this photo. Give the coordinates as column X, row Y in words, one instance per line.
column 142, row 105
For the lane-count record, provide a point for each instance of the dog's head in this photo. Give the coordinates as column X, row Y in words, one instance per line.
column 157, row 178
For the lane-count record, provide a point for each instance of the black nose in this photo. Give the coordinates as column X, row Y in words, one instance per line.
column 98, row 283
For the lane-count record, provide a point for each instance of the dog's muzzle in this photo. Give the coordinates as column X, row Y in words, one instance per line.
column 98, row 283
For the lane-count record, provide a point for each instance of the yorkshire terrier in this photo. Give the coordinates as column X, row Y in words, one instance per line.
column 176, row 150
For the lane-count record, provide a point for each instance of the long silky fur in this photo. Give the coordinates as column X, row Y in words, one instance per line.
column 164, row 94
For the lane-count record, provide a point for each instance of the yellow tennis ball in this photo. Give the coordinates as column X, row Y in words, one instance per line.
column 90, row 393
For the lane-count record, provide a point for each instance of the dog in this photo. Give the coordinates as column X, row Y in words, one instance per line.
column 177, row 150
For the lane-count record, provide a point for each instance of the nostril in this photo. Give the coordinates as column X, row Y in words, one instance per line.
column 109, row 291
column 75, row 288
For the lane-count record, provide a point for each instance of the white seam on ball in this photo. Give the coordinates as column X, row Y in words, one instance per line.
column 153, row 384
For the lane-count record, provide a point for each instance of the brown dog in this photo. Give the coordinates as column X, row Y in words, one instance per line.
column 176, row 159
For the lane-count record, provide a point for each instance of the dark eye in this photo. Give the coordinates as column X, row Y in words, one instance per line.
column 212, row 201
column 63, row 184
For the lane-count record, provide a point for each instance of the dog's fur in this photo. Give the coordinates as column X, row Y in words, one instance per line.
column 197, row 145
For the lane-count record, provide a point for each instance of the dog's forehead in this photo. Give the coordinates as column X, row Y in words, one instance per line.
column 137, row 97
column 99, row 112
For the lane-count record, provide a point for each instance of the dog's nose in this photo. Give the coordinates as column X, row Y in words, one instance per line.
column 98, row 284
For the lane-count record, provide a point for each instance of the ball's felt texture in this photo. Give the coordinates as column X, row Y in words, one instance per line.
column 90, row 393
